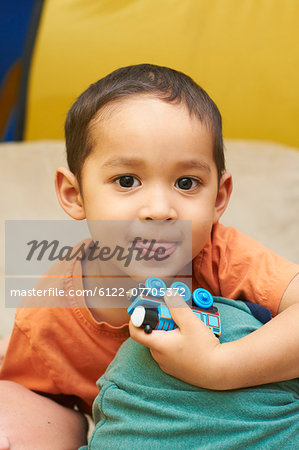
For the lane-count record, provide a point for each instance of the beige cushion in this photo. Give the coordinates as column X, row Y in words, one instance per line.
column 264, row 204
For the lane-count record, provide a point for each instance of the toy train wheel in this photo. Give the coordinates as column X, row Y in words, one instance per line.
column 202, row 298
column 182, row 289
column 156, row 285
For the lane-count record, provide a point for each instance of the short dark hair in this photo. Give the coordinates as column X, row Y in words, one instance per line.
column 164, row 83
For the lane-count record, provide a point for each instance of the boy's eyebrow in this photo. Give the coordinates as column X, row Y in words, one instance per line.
column 136, row 162
column 194, row 164
column 122, row 161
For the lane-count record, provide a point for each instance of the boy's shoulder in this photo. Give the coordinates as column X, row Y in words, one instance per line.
column 227, row 240
column 51, row 297
column 229, row 236
column 229, row 243
column 234, row 265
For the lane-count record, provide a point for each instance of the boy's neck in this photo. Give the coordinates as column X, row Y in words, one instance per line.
column 110, row 303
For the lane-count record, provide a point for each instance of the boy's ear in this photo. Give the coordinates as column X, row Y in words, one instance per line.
column 68, row 193
column 223, row 195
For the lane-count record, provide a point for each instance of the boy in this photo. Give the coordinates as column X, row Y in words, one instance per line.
column 145, row 144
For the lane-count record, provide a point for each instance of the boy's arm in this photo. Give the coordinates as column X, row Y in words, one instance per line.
column 291, row 295
column 193, row 354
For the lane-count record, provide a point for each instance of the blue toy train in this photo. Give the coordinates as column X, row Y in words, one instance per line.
column 149, row 311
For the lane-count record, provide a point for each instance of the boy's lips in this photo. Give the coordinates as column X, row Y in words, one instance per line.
column 149, row 247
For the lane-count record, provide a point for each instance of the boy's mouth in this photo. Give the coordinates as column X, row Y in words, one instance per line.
column 159, row 248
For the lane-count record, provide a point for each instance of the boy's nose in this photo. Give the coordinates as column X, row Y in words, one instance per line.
column 158, row 206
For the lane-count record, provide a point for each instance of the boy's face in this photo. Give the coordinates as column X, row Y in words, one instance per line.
column 152, row 161
column 151, row 167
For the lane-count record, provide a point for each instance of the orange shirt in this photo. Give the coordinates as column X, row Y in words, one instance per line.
column 61, row 352
column 235, row 266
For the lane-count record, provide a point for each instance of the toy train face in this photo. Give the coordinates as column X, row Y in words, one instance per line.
column 151, row 313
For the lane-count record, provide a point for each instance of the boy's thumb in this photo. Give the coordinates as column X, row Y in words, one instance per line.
column 4, row 443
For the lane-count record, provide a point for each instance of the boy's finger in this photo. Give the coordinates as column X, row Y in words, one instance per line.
column 4, row 443
column 152, row 340
column 180, row 312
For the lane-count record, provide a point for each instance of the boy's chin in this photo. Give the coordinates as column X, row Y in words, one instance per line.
column 162, row 269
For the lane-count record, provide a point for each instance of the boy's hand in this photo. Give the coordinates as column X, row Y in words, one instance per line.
column 190, row 352
column 193, row 354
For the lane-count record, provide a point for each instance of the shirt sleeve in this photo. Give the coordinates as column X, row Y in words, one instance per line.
column 233, row 265
column 23, row 364
column 60, row 353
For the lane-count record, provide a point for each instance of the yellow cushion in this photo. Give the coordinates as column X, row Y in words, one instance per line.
column 244, row 53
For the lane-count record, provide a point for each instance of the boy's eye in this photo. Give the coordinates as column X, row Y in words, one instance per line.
column 187, row 183
column 127, row 181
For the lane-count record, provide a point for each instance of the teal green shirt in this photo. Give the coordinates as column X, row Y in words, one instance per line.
column 139, row 406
